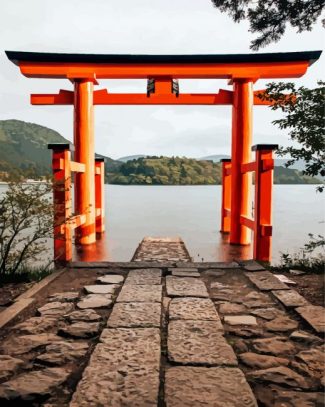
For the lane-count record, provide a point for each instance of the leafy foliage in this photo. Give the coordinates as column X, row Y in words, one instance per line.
column 305, row 120
column 186, row 171
column 167, row 171
column 26, row 221
column 269, row 18
column 310, row 258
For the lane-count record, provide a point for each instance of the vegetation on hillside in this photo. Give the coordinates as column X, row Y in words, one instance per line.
column 23, row 149
column 167, row 171
column 186, row 171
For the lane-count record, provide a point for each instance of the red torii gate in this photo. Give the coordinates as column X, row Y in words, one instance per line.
column 162, row 73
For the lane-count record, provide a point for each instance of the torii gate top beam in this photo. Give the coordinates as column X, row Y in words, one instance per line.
column 99, row 66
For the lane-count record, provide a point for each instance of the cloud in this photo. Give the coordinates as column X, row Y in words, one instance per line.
column 144, row 26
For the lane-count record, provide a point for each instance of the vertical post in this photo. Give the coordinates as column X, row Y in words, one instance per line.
column 85, row 153
column 226, row 195
column 62, row 202
column 242, row 117
column 263, row 201
column 99, row 193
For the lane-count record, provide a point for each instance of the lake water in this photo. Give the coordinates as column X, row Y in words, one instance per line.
column 193, row 213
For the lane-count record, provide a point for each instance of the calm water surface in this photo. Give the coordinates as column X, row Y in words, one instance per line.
column 193, row 213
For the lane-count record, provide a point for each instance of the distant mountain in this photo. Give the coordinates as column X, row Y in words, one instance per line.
column 24, row 145
column 131, row 157
column 279, row 162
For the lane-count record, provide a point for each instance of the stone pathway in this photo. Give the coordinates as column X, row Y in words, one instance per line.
column 162, row 249
column 204, row 334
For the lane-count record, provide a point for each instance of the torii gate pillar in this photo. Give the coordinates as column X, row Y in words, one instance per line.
column 85, row 153
column 241, row 183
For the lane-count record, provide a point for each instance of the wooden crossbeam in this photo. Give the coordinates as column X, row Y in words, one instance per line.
column 247, row 222
column 248, row 167
column 77, row 167
column 103, row 97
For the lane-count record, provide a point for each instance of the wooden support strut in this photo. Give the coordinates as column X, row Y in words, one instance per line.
column 242, row 118
column 226, row 195
column 84, row 154
column 99, row 192
column 61, row 158
column 261, row 223
column 263, row 201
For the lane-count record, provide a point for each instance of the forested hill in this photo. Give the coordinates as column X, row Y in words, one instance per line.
column 23, row 146
column 187, row 171
column 167, row 171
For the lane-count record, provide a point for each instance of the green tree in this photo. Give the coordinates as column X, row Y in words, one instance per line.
column 269, row 18
column 305, row 121
column 26, row 221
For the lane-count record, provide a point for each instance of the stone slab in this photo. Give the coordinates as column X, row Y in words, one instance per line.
column 95, row 301
column 201, row 309
column 272, row 395
column 285, row 279
column 257, row 361
column 290, row 298
column 61, row 352
column 55, row 309
column 123, row 370
column 281, row 324
column 267, row 313
column 110, row 279
column 101, row 288
column 69, row 296
column 314, row 315
column 279, row 375
column 199, row 342
column 80, row 329
column 185, row 287
column 277, row 345
column 19, row 345
column 32, row 386
column 240, row 320
column 232, row 308
column 9, row 366
column 36, row 325
column 265, row 281
column 185, row 272
column 140, row 293
column 135, row 315
column 87, row 315
column 144, row 276
column 207, row 387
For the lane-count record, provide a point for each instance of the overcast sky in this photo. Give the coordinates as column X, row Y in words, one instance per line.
column 147, row 27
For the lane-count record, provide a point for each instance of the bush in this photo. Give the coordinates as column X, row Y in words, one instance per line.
column 26, row 222
column 306, row 259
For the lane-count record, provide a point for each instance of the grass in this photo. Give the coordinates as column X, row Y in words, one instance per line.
column 25, row 274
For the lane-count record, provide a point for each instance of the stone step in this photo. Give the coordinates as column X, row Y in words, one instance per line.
column 123, row 370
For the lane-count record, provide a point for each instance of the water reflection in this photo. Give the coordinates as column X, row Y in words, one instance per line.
column 193, row 213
